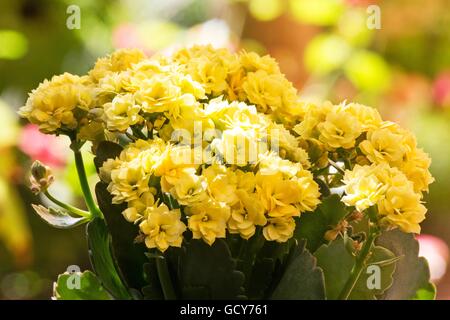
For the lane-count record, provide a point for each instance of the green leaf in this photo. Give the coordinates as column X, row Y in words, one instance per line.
column 153, row 290
column 102, row 260
column 268, row 268
column 302, row 279
column 58, row 218
column 385, row 260
column 426, row 293
column 79, row 286
column 313, row 225
column 211, row 267
column 337, row 260
column 412, row 276
column 106, row 150
column 129, row 255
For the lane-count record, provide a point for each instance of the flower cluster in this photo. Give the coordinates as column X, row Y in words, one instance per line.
column 217, row 143
column 384, row 165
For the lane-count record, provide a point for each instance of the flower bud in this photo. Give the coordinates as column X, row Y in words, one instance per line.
column 41, row 177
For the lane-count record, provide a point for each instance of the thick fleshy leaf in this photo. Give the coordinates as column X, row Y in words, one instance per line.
column 106, row 150
column 380, row 264
column 268, row 268
column 152, row 290
column 79, row 286
column 426, row 293
column 337, row 260
column 211, row 267
column 302, row 279
column 313, row 225
column 130, row 256
column 412, row 276
column 58, row 218
column 102, row 260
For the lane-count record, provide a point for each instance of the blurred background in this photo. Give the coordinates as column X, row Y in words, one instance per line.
column 392, row 54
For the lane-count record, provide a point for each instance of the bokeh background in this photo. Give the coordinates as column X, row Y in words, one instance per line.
column 325, row 47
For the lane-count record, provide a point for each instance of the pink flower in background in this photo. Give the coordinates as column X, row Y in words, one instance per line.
column 48, row 149
column 435, row 250
column 126, row 36
column 441, row 89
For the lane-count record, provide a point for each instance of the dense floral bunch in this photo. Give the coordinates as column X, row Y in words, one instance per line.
column 216, row 143
column 236, row 103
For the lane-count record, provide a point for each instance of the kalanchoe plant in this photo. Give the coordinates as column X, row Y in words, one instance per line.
column 217, row 182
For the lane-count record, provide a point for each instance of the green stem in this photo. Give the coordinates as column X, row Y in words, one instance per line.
column 336, row 166
column 68, row 207
column 357, row 269
column 164, row 279
column 90, row 203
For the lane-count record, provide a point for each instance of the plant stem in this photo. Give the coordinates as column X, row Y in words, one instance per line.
column 67, row 206
column 164, row 279
column 336, row 166
column 361, row 261
column 90, row 203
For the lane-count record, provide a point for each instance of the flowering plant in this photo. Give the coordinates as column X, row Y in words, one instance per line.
column 217, row 181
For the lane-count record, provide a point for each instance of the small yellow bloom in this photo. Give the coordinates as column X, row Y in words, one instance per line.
column 137, row 208
column 252, row 62
column 402, row 208
column 52, row 104
column 128, row 182
column 386, row 144
column 279, row 229
column 246, row 215
column 162, row 228
column 363, row 188
column 208, row 220
column 416, row 168
column 269, row 92
column 339, row 130
column 122, row 113
column 222, row 184
column 185, row 185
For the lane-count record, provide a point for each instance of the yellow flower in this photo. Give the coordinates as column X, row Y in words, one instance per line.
column 137, row 208
column 416, row 169
column 308, row 189
column 208, row 66
column 368, row 117
column 207, row 220
column 339, row 130
column 184, row 185
column 313, row 116
column 246, row 215
column 162, row 228
column 385, row 144
column 224, row 113
column 122, row 113
column 159, row 94
column 173, row 157
column 128, row 182
column 402, row 208
column 279, row 229
column 269, row 91
column 252, row 62
column 238, row 146
column 53, row 103
column 271, row 163
column 120, row 60
column 222, row 184
column 282, row 197
column 107, row 167
column 362, row 187
column 246, row 181
column 287, row 144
